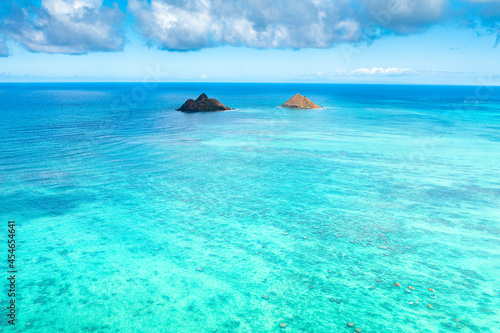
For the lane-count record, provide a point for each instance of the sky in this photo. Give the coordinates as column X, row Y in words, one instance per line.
column 310, row 41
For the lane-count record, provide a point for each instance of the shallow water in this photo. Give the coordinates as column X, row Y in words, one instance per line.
column 119, row 200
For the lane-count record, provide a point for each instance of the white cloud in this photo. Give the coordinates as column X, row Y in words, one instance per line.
column 193, row 24
column 66, row 26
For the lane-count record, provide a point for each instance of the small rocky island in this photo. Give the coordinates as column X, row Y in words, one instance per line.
column 300, row 102
column 203, row 103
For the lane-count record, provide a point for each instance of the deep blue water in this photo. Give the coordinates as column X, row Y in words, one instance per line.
column 134, row 217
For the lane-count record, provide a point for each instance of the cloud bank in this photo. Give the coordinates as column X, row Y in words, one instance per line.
column 195, row 24
column 81, row 26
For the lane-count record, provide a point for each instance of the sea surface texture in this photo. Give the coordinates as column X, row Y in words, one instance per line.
column 134, row 217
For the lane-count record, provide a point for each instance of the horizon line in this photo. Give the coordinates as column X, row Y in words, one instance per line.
column 256, row 82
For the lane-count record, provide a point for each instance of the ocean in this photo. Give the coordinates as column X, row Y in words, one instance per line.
column 133, row 217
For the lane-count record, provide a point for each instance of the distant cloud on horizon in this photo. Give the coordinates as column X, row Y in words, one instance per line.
column 382, row 71
column 82, row 26
column 375, row 72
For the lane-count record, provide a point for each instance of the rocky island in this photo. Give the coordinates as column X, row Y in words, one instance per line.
column 300, row 102
column 203, row 103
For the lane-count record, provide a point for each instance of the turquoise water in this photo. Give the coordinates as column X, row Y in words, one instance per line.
column 132, row 217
